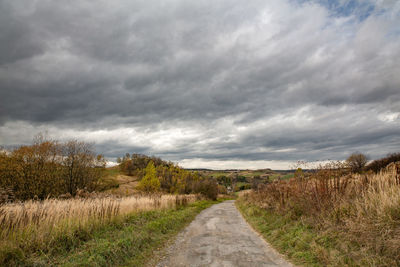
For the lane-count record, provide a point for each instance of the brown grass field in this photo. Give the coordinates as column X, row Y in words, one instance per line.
column 36, row 225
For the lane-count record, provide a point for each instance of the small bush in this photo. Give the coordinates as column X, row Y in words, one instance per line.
column 208, row 188
column 240, row 179
column 222, row 189
column 242, row 186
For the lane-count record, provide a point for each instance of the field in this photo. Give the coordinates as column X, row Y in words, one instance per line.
column 330, row 217
column 240, row 180
column 263, row 173
column 47, row 228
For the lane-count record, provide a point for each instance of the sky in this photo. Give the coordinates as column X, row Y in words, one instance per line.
column 206, row 84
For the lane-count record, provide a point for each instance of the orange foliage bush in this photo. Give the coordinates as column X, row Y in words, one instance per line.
column 49, row 168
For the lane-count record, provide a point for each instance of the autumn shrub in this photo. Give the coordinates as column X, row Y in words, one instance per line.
column 149, row 183
column 242, row 186
column 49, row 168
column 308, row 192
column 224, row 180
column 207, row 187
column 134, row 164
column 222, row 190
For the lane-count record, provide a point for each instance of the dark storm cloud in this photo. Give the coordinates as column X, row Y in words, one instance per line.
column 276, row 80
column 17, row 40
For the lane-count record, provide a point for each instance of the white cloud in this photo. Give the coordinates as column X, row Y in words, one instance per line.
column 389, row 117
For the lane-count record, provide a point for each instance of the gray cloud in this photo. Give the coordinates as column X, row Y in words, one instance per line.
column 276, row 80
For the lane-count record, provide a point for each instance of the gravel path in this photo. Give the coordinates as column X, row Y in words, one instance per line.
column 219, row 236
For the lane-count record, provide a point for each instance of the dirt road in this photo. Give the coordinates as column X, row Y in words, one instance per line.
column 219, row 236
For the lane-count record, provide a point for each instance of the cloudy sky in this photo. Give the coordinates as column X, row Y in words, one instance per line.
column 217, row 84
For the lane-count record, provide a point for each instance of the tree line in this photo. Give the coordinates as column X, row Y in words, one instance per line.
column 49, row 168
column 358, row 162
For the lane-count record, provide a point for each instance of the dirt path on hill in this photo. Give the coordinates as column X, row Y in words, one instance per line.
column 219, row 236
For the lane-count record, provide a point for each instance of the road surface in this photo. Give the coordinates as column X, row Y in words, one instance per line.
column 219, row 236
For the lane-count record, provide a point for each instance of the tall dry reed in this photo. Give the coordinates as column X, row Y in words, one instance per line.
column 38, row 224
column 362, row 209
column 372, row 218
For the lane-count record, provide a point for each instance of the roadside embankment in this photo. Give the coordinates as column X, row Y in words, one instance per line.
column 327, row 219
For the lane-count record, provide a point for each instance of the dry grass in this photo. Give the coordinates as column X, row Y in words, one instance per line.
column 372, row 219
column 127, row 185
column 362, row 210
column 37, row 225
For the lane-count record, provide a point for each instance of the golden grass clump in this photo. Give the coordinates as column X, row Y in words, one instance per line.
column 36, row 225
column 373, row 216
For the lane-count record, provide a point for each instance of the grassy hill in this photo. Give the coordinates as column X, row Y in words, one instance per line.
column 117, row 183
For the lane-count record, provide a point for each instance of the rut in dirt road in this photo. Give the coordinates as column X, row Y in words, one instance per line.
column 219, row 236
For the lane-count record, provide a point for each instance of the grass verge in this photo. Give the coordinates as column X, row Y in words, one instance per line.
column 126, row 240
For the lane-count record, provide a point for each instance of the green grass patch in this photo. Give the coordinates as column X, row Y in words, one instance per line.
column 287, row 176
column 252, row 173
column 242, row 186
column 301, row 243
column 128, row 240
column 216, row 174
column 112, row 171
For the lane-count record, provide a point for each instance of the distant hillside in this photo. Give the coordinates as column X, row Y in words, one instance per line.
column 155, row 174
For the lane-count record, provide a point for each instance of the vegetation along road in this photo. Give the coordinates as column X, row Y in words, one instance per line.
column 219, row 236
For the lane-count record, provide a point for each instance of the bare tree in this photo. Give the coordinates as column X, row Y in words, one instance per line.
column 82, row 166
column 356, row 162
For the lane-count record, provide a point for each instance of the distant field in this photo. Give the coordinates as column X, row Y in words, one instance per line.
column 273, row 175
column 218, row 173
